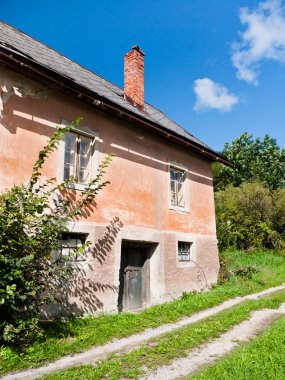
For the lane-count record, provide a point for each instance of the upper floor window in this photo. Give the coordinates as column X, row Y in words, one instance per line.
column 177, row 179
column 77, row 157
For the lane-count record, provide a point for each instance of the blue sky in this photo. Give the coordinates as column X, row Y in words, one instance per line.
column 215, row 67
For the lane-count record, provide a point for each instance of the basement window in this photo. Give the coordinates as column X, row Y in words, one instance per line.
column 77, row 157
column 70, row 244
column 184, row 249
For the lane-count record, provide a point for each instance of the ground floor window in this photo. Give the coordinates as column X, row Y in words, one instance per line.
column 184, row 249
column 70, row 243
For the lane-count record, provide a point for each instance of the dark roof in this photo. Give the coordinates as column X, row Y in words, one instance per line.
column 20, row 44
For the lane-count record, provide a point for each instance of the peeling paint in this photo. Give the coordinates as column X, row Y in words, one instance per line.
column 17, row 86
column 17, row 91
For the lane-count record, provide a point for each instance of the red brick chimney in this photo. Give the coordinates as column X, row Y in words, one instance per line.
column 134, row 77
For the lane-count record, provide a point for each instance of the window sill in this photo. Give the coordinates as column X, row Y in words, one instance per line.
column 177, row 208
column 185, row 264
column 76, row 186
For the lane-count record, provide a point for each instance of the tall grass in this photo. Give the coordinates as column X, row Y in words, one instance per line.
column 79, row 334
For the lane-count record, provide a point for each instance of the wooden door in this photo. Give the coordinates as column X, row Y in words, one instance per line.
column 133, row 277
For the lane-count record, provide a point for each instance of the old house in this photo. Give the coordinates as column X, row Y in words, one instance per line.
column 153, row 229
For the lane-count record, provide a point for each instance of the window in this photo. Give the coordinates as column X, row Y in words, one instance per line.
column 70, row 243
column 177, row 179
column 184, row 251
column 77, row 157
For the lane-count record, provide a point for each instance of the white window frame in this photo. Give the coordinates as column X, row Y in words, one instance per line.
column 87, row 132
column 180, row 167
column 185, row 257
column 192, row 240
column 88, row 229
column 77, row 257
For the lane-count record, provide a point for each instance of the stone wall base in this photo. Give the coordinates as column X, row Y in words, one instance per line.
column 96, row 282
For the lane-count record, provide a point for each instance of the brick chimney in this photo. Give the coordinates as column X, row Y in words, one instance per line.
column 134, row 77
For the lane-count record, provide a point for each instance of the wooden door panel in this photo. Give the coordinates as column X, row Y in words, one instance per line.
column 134, row 286
column 132, row 269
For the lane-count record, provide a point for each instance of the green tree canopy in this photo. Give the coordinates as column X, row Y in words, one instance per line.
column 255, row 160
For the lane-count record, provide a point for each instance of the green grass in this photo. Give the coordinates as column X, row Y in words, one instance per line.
column 79, row 334
column 261, row 359
column 163, row 350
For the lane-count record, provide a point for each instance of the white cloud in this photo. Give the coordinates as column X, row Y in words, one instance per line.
column 211, row 95
column 263, row 38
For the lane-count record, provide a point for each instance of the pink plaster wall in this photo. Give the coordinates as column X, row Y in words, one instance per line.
column 139, row 190
column 137, row 198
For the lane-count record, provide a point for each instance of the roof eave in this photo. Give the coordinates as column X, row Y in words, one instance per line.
column 23, row 64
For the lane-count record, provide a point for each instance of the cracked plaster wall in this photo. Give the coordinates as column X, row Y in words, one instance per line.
column 138, row 196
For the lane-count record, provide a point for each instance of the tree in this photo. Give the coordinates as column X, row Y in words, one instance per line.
column 254, row 161
column 32, row 221
column 250, row 216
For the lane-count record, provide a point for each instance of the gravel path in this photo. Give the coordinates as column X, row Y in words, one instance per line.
column 210, row 352
column 95, row 354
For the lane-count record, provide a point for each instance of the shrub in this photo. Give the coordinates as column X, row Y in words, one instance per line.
column 32, row 220
column 249, row 216
column 278, row 214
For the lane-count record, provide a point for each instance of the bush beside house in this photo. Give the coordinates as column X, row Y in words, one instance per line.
column 250, row 198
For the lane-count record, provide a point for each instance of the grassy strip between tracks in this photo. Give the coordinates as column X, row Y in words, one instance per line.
column 162, row 350
column 261, row 359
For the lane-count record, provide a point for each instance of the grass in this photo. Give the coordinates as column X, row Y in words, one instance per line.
column 261, row 359
column 79, row 334
column 163, row 350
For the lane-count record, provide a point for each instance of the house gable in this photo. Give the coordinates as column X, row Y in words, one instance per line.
column 135, row 214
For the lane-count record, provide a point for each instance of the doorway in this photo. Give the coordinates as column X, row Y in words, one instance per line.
column 134, row 276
